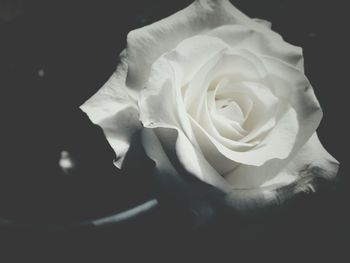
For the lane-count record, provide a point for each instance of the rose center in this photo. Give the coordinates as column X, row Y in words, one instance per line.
column 231, row 110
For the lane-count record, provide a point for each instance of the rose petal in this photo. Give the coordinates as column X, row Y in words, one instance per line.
column 239, row 65
column 311, row 168
column 115, row 110
column 312, row 159
column 186, row 159
column 229, row 127
column 238, row 37
column 262, row 116
column 263, row 22
column 147, row 44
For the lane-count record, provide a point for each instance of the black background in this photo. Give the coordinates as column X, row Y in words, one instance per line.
column 76, row 44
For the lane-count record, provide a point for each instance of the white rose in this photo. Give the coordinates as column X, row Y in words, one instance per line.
column 222, row 97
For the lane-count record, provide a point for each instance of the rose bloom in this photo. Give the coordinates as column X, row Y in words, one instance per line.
column 217, row 96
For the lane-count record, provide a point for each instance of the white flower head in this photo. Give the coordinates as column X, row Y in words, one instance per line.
column 222, row 97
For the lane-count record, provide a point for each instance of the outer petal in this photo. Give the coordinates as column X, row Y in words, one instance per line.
column 114, row 109
column 264, row 22
column 312, row 168
column 146, row 44
column 258, row 42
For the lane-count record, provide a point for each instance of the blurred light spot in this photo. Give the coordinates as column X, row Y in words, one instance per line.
column 312, row 34
column 66, row 162
column 41, row 73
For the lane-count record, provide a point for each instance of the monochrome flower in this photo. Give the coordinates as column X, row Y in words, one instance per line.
column 222, row 97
